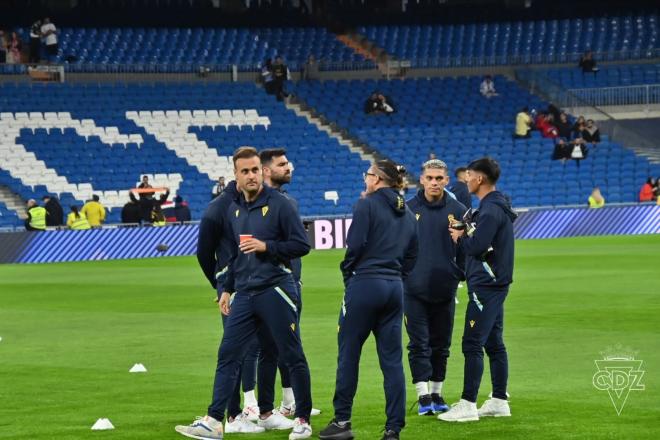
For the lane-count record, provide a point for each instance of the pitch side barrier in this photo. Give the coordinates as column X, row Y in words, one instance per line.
column 120, row 242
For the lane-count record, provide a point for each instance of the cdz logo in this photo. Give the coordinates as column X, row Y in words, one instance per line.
column 618, row 373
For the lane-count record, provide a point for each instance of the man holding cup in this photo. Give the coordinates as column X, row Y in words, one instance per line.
column 268, row 234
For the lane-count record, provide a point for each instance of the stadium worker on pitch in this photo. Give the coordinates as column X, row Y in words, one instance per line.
column 430, row 289
column 277, row 173
column 215, row 248
column 268, row 233
column 382, row 248
column 487, row 241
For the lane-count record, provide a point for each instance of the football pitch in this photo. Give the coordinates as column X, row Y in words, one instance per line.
column 70, row 332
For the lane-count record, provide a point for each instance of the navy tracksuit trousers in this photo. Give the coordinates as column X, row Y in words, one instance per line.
column 271, row 315
column 484, row 324
column 248, row 372
column 371, row 305
column 429, row 326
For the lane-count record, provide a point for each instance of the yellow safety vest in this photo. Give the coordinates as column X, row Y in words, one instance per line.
column 38, row 217
column 594, row 204
column 157, row 223
column 78, row 223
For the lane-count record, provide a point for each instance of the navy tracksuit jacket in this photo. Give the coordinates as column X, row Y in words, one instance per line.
column 430, row 289
column 489, row 273
column 265, row 302
column 462, row 193
column 382, row 248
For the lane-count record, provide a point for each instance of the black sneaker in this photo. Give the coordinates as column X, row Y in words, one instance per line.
column 425, row 405
column 390, row 435
column 335, row 431
column 439, row 404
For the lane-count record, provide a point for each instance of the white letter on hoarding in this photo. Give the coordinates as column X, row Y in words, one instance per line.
column 323, row 234
column 339, row 234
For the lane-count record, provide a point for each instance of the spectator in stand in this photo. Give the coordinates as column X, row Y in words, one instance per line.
column 280, row 75
column 564, row 127
column 147, row 203
column 379, row 104
column 35, row 42
column 267, row 76
column 544, row 125
column 311, row 70
column 588, row 64
column 49, row 35
column 3, row 48
column 55, row 212
column 487, row 87
column 646, row 194
column 432, row 156
column 591, row 133
column 580, row 123
column 181, row 210
column 77, row 220
column 14, row 49
column 523, row 124
column 575, row 149
column 596, row 199
column 157, row 217
column 218, row 188
column 36, row 216
column 94, row 212
column 130, row 213
column 460, row 188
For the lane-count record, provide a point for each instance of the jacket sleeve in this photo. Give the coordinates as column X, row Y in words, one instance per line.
column 460, row 254
column 483, row 235
column 294, row 243
column 207, row 242
column 410, row 257
column 356, row 240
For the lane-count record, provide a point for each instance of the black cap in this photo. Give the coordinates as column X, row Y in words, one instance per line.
column 488, row 166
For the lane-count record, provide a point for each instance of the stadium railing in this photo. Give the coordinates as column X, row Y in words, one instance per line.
column 645, row 95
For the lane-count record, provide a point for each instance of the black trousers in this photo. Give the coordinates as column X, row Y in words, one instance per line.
column 429, row 326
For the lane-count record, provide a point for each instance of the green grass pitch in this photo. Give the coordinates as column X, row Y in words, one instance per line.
column 70, row 332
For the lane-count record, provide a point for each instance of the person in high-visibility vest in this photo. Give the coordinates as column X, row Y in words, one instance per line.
column 157, row 217
column 77, row 220
column 596, row 199
column 94, row 211
column 36, row 216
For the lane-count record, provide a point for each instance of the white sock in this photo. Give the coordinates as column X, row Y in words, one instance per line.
column 249, row 398
column 436, row 388
column 422, row 388
column 287, row 396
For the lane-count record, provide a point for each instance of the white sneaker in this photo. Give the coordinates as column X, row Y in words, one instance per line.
column 243, row 425
column 463, row 411
column 290, row 410
column 301, row 429
column 495, row 408
column 252, row 413
column 275, row 421
column 203, row 428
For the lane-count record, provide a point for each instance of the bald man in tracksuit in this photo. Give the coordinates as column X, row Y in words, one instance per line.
column 430, row 289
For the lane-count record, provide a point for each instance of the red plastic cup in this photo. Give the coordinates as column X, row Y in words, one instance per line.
column 244, row 237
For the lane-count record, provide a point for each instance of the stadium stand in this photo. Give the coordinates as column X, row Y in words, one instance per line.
column 608, row 76
column 184, row 49
column 629, row 36
column 178, row 134
column 447, row 116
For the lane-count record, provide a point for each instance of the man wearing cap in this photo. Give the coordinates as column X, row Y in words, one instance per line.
column 488, row 244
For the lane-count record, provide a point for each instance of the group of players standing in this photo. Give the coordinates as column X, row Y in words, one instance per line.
column 403, row 263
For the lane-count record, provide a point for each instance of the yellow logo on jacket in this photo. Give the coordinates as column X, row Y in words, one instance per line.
column 293, row 326
column 472, row 322
column 417, row 216
column 238, row 211
column 400, row 202
column 264, row 211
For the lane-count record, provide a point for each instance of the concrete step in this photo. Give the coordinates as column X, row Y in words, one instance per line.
column 13, row 201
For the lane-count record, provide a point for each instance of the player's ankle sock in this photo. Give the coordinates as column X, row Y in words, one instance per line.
column 249, row 398
column 436, row 388
column 287, row 396
column 422, row 388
